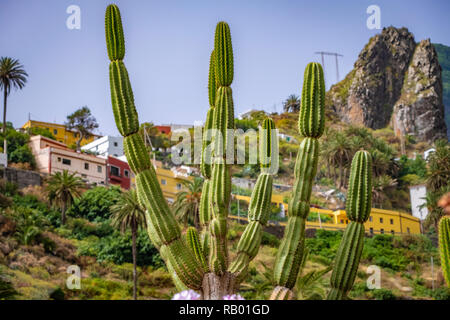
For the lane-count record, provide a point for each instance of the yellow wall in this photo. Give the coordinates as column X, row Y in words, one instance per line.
column 59, row 131
column 172, row 184
column 380, row 221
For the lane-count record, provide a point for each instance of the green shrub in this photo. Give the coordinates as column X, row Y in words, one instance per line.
column 117, row 249
column 95, row 204
column 442, row 293
column 383, row 294
column 269, row 239
column 57, row 294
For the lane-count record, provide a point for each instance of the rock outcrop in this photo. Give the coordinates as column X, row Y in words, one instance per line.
column 420, row 110
column 394, row 81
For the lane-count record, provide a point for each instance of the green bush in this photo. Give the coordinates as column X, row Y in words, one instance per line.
column 57, row 294
column 441, row 293
column 95, row 203
column 269, row 239
column 117, row 249
column 383, row 294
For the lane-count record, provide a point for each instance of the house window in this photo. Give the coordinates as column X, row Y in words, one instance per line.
column 55, row 131
column 342, row 221
column 392, row 221
column 84, row 176
column 59, row 159
column 371, row 231
column 115, row 171
column 346, row 221
column 407, row 230
column 116, row 144
column 382, row 231
column 381, row 220
column 86, row 166
column 99, row 169
column 126, row 173
column 178, row 186
column 163, row 182
column 370, row 219
column 66, row 161
column 74, row 134
column 392, row 232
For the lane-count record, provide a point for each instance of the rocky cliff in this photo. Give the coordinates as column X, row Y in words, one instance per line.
column 394, row 82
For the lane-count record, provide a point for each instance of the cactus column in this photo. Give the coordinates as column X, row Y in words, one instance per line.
column 311, row 125
column 206, row 159
column 358, row 207
column 163, row 229
column 260, row 201
column 444, row 247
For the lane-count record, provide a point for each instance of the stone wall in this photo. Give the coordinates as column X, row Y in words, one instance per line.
column 22, row 178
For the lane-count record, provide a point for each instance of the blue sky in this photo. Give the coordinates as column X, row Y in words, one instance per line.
column 168, row 44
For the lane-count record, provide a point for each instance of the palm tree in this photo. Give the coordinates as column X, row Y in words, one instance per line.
column 342, row 152
column 439, row 166
column 292, row 104
column 381, row 186
column 187, row 203
column 12, row 75
column 127, row 213
column 63, row 188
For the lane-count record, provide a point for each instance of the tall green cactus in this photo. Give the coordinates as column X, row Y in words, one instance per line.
column 223, row 123
column 163, row 228
column 311, row 126
column 358, row 207
column 260, row 203
column 444, row 247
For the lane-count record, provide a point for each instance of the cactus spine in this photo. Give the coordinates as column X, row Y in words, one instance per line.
column 311, row 125
column 358, row 206
column 163, row 229
column 260, row 201
column 444, row 247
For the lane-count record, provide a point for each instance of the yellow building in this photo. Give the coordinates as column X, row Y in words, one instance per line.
column 59, row 131
column 380, row 221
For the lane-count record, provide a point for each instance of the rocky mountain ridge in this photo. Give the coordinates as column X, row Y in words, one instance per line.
column 396, row 82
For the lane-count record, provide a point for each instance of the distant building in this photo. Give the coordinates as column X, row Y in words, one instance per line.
column 118, row 172
column 59, row 131
column 52, row 156
column 417, row 195
column 427, row 153
column 174, row 127
column 247, row 114
column 106, row 146
column 164, row 129
column 170, row 181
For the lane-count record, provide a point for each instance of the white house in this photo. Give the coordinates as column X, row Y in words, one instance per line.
column 106, row 146
column 427, row 153
column 247, row 114
column 418, row 194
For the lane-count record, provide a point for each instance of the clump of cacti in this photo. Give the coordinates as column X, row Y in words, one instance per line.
column 358, row 207
column 444, row 247
column 201, row 262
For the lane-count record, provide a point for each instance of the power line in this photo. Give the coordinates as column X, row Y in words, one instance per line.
column 336, row 55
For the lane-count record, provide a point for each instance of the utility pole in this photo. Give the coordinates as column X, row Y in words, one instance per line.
column 336, row 55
